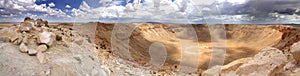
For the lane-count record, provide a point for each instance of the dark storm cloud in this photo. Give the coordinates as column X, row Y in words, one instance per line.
column 288, row 11
column 261, row 9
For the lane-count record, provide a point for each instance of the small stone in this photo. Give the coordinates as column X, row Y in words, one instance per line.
column 32, row 52
column 25, row 39
column 17, row 40
column 41, row 57
column 42, row 73
column 23, row 48
column 4, row 39
column 79, row 41
column 295, row 51
column 42, row 48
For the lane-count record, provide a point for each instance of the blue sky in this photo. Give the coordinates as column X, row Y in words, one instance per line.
column 165, row 11
column 60, row 4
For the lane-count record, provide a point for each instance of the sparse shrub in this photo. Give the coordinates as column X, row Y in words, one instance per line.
column 46, row 23
column 39, row 22
column 102, row 46
column 27, row 19
column 58, row 38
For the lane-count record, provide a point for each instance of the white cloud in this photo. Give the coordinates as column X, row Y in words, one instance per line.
column 87, row 12
column 67, row 6
column 149, row 9
column 105, row 2
column 51, row 4
column 41, row 0
column 30, row 15
column 233, row 1
column 160, row 10
column 17, row 7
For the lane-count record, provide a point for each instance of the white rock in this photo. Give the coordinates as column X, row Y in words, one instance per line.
column 25, row 38
column 226, row 69
column 46, row 37
column 41, row 57
column 32, row 52
column 42, row 73
column 296, row 72
column 78, row 41
column 266, row 63
column 42, row 48
column 234, row 65
column 23, row 48
column 214, row 71
column 295, row 51
column 26, row 26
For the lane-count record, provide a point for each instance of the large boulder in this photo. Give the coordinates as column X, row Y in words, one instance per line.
column 46, row 38
column 295, row 51
column 26, row 26
column 266, row 63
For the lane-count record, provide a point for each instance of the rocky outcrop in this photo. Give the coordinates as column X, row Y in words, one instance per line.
column 269, row 62
column 30, row 37
column 10, row 33
column 58, row 60
column 295, row 51
column 37, row 53
column 266, row 63
column 226, row 69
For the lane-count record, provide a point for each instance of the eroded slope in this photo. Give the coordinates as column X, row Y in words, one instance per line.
column 242, row 41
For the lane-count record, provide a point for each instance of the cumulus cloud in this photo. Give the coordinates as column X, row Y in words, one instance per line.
column 167, row 10
column 147, row 10
column 67, row 6
column 87, row 12
column 17, row 7
column 163, row 10
column 51, row 4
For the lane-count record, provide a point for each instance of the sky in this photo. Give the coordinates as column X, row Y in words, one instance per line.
column 162, row 11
